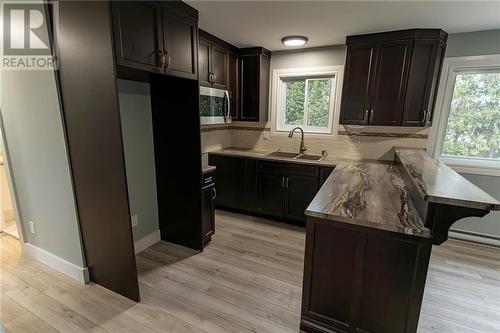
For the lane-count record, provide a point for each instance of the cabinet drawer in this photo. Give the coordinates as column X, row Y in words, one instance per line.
column 289, row 168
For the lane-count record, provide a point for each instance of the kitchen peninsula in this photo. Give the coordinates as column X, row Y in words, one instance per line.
column 370, row 231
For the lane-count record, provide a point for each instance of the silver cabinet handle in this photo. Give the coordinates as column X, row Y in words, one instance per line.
column 162, row 60
column 365, row 118
column 228, row 114
column 286, row 184
column 424, row 118
column 168, row 61
column 371, row 115
column 282, row 181
column 215, row 193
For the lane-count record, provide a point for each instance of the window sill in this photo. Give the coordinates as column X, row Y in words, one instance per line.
column 461, row 166
column 284, row 131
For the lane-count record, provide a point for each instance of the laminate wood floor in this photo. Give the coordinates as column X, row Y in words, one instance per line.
column 247, row 280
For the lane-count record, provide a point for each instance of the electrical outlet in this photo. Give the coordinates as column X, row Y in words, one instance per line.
column 32, row 227
column 135, row 220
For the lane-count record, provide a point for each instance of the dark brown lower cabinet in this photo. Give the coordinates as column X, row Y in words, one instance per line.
column 280, row 190
column 358, row 279
column 270, row 194
column 231, row 181
column 299, row 192
column 285, row 190
column 208, row 207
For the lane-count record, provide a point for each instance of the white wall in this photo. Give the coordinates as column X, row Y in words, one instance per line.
column 39, row 162
column 137, row 132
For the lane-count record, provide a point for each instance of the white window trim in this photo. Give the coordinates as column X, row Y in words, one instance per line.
column 451, row 67
column 276, row 91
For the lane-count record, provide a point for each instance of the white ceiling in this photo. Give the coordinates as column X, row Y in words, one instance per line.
column 264, row 23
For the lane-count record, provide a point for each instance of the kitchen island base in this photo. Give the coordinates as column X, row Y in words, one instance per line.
column 360, row 279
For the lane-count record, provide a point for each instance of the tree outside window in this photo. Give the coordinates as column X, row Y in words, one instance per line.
column 307, row 103
column 473, row 128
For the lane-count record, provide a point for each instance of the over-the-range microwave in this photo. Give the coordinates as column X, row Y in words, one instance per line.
column 214, row 106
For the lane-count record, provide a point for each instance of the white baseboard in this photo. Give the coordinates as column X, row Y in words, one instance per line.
column 71, row 270
column 474, row 237
column 147, row 241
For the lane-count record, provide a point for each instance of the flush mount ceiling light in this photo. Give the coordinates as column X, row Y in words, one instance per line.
column 294, row 40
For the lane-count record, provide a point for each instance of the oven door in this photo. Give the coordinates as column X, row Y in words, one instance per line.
column 214, row 106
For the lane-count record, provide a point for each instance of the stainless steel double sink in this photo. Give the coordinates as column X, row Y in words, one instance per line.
column 296, row 156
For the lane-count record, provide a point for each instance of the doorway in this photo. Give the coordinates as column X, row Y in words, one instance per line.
column 9, row 217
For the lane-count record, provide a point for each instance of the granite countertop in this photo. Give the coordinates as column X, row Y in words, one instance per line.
column 438, row 183
column 368, row 194
column 263, row 155
column 207, row 168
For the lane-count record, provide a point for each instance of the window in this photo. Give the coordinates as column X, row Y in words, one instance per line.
column 468, row 131
column 305, row 98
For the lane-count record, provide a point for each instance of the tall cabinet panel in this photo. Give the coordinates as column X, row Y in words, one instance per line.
column 389, row 86
column 88, row 92
column 357, row 80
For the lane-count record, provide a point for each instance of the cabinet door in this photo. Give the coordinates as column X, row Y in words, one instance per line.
column 324, row 173
column 329, row 275
column 180, row 40
column 204, row 62
column 138, row 35
column 356, row 89
column 300, row 191
column 208, row 214
column 419, row 92
column 232, row 84
column 249, row 82
column 270, row 194
column 390, row 83
column 231, row 181
column 219, row 66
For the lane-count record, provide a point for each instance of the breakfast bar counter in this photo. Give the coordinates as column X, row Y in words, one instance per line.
column 370, row 232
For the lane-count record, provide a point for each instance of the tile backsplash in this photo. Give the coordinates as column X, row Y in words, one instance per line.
column 367, row 142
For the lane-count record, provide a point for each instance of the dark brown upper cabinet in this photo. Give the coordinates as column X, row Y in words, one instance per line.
column 233, row 84
column 204, row 61
column 391, row 77
column 386, row 106
column 138, row 35
column 254, row 83
column 214, row 55
column 356, row 90
column 180, row 31
column 155, row 37
column 219, row 66
column 424, row 74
